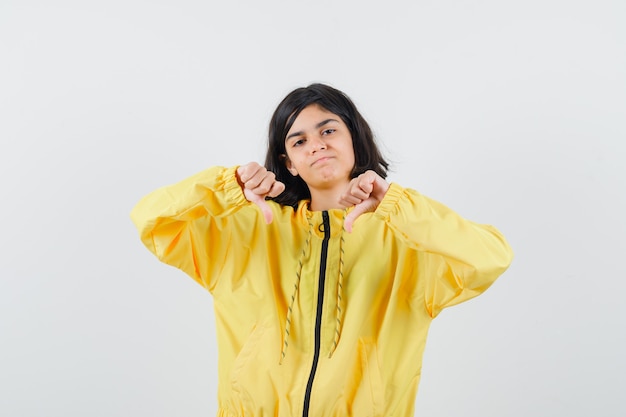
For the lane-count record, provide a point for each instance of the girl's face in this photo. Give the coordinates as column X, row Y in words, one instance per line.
column 319, row 149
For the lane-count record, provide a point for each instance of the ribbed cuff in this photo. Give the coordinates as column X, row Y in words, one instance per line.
column 389, row 204
column 232, row 188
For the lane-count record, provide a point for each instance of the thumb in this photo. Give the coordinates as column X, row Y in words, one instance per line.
column 363, row 207
column 259, row 200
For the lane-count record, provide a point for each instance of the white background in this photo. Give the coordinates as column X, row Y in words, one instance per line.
column 512, row 113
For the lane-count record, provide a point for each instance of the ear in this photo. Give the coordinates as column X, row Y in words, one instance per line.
column 292, row 169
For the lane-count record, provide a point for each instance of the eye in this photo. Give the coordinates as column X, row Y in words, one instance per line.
column 328, row 132
column 298, row 142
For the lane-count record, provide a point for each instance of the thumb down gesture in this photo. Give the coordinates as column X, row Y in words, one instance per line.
column 258, row 183
column 365, row 193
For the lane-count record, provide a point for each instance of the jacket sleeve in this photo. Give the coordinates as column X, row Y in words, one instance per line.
column 188, row 224
column 457, row 258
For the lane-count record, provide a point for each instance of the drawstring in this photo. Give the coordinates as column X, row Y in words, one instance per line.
column 339, row 310
column 296, row 287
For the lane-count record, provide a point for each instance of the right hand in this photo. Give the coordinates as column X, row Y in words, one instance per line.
column 258, row 183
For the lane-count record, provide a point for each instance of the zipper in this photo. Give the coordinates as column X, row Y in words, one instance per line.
column 318, row 315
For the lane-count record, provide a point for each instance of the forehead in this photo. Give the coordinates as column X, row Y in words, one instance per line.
column 310, row 116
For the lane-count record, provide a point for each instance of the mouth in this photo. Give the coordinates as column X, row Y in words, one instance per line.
column 321, row 160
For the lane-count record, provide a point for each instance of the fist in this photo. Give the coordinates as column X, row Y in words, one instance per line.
column 258, row 183
column 365, row 193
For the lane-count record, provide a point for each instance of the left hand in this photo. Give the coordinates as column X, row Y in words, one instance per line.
column 364, row 192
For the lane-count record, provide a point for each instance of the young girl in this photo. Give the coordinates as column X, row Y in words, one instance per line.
column 325, row 277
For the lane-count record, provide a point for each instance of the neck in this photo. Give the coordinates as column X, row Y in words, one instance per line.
column 325, row 199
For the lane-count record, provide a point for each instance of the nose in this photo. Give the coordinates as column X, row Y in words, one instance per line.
column 317, row 144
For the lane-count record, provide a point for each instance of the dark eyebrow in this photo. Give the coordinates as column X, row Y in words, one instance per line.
column 317, row 126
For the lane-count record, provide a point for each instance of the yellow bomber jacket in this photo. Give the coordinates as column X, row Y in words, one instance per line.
column 312, row 320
